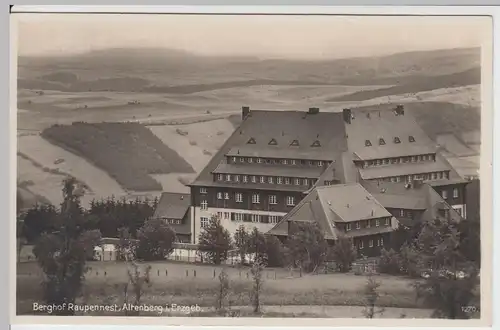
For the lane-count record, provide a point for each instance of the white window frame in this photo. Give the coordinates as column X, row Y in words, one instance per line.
column 306, row 182
column 290, row 200
column 237, row 178
column 455, row 192
column 219, row 195
column 226, row 196
column 402, row 213
column 273, row 200
column 245, row 179
column 378, row 162
column 370, row 243
column 279, row 180
column 204, row 222
column 361, row 245
column 320, row 163
column 250, row 160
column 203, row 190
column 444, row 194
column 287, row 180
column 238, row 217
column 347, row 227
column 387, row 222
column 358, row 225
column 239, row 197
column 262, row 179
column 255, row 199
column 273, row 219
column 284, row 162
column 220, row 177
column 259, row 160
column 234, row 159
column 377, row 223
column 204, row 205
column 242, row 159
column 254, row 179
column 256, row 218
column 297, row 182
column 227, row 215
column 270, row 180
column 368, row 224
column 292, row 162
column 381, row 241
column 228, row 177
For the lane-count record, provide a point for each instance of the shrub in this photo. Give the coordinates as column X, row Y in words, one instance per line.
column 389, row 262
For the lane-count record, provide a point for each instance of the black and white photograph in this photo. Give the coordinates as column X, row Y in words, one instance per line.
column 250, row 166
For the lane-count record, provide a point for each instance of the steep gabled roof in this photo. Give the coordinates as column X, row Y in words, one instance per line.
column 285, row 127
column 175, row 206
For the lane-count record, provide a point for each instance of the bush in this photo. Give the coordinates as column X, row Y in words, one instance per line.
column 389, row 262
column 129, row 152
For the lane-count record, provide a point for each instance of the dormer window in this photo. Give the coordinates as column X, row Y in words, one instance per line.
column 251, row 141
column 368, row 143
column 397, row 140
column 273, row 142
column 316, row 144
column 381, row 142
column 295, row 143
column 411, row 139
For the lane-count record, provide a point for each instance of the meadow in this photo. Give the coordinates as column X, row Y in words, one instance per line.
column 330, row 295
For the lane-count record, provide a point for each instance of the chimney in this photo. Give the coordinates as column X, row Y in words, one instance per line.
column 245, row 111
column 347, row 115
column 313, row 111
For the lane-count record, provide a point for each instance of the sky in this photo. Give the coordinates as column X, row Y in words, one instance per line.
column 294, row 37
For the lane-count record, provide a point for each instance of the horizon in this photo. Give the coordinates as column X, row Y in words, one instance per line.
column 268, row 37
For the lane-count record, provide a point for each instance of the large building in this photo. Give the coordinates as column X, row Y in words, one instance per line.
column 276, row 159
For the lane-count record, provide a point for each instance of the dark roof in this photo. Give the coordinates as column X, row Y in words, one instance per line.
column 285, row 127
column 380, row 122
column 270, row 170
column 175, row 206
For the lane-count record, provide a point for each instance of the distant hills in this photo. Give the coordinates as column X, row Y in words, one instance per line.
column 171, row 71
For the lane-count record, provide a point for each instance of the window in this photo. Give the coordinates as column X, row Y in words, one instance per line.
column 272, row 199
column 234, row 159
column 273, row 219
column 204, row 205
column 262, row 179
column 273, row 142
column 381, row 241
column 347, row 227
column 259, row 160
column 398, row 179
column 284, row 162
column 292, row 162
column 311, row 163
column 203, row 190
column 220, row 177
column 228, row 177
column 297, row 182
column 387, row 222
column 368, row 224
column 393, row 179
column 245, row 179
column 204, row 222
column 395, row 160
column 361, row 246
column 295, row 143
column 444, row 194
column 411, row 139
column 306, row 182
column 237, row 178
column 290, row 200
column 368, row 143
column 242, row 159
column 255, row 198
column 433, row 176
column 287, row 180
column 254, row 179
column 320, row 163
column 239, row 197
column 251, row 141
column 316, row 144
column 413, row 159
column 226, row 195
column 255, row 218
column 381, row 142
column 219, row 215
column 378, row 242
column 227, row 215
column 385, row 161
column 378, row 162
column 238, row 217
column 219, row 195
column 455, row 193
column 441, row 175
column 370, row 243
column 397, row 140
column 377, row 223
column 280, row 180
column 270, row 180
column 358, row 225
column 250, row 160
column 401, row 213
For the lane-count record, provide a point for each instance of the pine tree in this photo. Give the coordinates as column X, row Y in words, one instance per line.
column 214, row 241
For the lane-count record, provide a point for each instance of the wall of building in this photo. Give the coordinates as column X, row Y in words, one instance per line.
column 457, row 201
column 377, row 242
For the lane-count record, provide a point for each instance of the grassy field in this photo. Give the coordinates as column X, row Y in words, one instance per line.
column 132, row 152
column 105, row 281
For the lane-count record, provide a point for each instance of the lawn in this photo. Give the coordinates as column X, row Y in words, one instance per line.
column 128, row 152
column 176, row 283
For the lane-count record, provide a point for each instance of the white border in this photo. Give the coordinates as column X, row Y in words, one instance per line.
column 344, row 10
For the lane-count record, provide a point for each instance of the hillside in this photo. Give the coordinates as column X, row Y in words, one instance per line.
column 164, row 70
